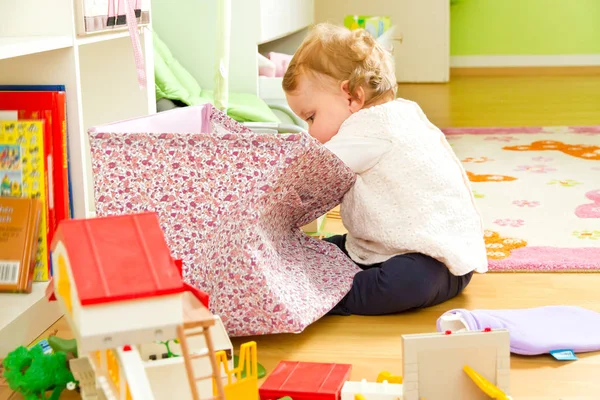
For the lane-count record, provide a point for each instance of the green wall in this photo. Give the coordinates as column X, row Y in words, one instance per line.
column 525, row 27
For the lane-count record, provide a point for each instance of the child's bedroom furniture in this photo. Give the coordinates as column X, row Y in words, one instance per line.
column 176, row 87
column 254, row 24
column 422, row 36
column 191, row 65
column 39, row 45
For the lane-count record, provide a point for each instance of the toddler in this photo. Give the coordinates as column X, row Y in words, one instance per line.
column 413, row 227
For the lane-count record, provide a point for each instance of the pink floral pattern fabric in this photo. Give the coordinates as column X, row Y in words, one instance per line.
column 231, row 203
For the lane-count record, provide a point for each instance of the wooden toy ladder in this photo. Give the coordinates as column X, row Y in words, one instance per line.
column 189, row 329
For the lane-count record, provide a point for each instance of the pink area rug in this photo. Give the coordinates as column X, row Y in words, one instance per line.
column 538, row 190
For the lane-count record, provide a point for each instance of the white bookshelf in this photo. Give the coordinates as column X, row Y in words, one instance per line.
column 39, row 45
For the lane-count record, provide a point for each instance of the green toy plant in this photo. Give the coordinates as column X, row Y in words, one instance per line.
column 33, row 373
column 166, row 344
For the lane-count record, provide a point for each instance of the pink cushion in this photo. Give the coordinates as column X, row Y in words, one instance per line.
column 281, row 61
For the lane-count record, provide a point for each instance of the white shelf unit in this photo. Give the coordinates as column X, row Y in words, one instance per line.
column 23, row 317
column 39, row 45
column 189, row 30
column 98, row 72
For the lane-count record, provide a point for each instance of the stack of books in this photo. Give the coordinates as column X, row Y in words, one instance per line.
column 34, row 163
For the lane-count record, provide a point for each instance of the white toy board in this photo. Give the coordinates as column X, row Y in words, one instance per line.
column 433, row 364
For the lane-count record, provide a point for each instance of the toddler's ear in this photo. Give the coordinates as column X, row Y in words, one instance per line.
column 356, row 100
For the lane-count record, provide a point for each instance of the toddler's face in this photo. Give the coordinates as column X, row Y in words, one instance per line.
column 322, row 104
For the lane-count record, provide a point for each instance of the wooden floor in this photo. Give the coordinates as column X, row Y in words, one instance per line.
column 373, row 344
column 509, row 101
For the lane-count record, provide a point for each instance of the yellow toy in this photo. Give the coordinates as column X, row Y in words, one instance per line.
column 486, row 387
column 386, row 376
column 238, row 388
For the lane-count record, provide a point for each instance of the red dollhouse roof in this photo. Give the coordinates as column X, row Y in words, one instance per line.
column 120, row 258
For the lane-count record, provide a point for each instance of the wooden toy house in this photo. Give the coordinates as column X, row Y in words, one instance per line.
column 119, row 288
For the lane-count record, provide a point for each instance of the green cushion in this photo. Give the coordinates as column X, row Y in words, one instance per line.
column 174, row 82
column 245, row 107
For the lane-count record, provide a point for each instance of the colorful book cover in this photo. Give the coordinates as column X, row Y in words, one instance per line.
column 22, row 174
column 49, row 206
column 53, row 96
column 52, row 88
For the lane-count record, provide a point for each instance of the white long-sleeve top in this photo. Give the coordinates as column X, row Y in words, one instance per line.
column 411, row 192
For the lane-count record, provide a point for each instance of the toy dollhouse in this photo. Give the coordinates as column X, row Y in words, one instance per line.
column 123, row 294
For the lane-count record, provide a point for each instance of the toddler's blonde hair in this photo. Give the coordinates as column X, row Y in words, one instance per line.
column 341, row 54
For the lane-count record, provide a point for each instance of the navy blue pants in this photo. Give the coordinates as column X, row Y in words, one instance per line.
column 405, row 282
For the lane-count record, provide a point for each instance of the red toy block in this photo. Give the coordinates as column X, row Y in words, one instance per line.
column 305, row 381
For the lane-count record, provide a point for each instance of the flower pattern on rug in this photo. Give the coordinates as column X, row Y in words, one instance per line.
column 587, row 234
column 526, row 203
column 489, row 177
column 499, row 247
column 587, row 152
column 477, row 160
column 538, row 169
column 590, row 210
column 543, row 180
column 514, row 223
column 564, row 182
